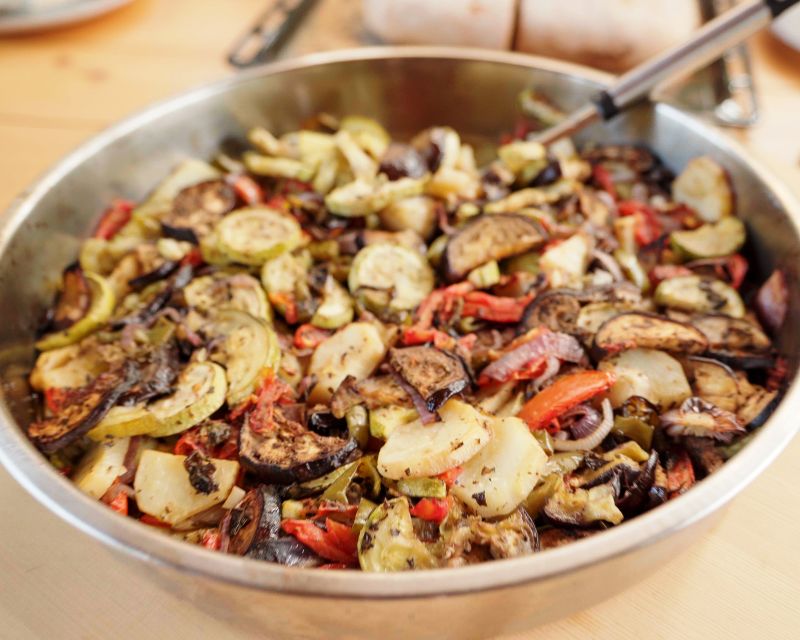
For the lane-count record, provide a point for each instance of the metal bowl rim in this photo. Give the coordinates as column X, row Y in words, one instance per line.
column 59, row 495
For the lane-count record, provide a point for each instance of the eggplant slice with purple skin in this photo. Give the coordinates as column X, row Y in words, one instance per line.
column 737, row 342
column 378, row 391
column 637, row 329
column 697, row 417
column 197, row 209
column 488, row 237
column 158, row 371
column 436, row 375
column 556, row 310
column 73, row 301
column 287, row 452
column 88, row 406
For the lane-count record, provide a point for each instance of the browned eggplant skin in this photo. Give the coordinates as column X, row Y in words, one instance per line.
column 437, row 376
column 255, row 519
column 93, row 402
column 488, row 237
column 196, row 209
column 556, row 310
column 287, row 452
column 649, row 331
column 378, row 391
column 73, row 300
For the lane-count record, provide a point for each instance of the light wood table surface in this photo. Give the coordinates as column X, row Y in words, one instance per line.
column 57, row 89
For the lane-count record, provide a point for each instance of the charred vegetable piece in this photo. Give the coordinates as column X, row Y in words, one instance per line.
column 699, row 295
column 253, row 235
column 648, row 331
column 436, row 375
column 255, row 524
column 652, row 375
column 197, row 209
column 757, row 407
column 732, row 335
column 714, row 382
column 489, row 237
column 241, row 291
column 98, row 312
column 379, row 391
column 163, row 488
column 772, row 301
column 558, row 311
column 388, row 543
column 583, row 507
column 73, row 300
column 285, row 451
column 86, row 409
column 697, row 417
column 704, row 186
column 723, row 238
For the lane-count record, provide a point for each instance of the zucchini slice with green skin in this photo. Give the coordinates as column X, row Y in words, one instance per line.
column 336, row 308
column 253, row 235
column 199, row 392
column 239, row 291
column 403, row 272
column 636, row 329
column 123, row 422
column 388, row 543
column 699, row 295
column 247, row 347
column 717, row 240
column 100, row 310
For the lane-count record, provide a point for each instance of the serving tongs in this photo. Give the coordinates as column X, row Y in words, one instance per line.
column 709, row 42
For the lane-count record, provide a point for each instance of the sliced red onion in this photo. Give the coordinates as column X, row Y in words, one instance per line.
column 551, row 369
column 546, row 343
column 608, row 262
column 581, row 421
column 419, row 402
column 591, row 441
column 130, row 460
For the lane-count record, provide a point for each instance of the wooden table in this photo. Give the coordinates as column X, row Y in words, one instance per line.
column 58, row 89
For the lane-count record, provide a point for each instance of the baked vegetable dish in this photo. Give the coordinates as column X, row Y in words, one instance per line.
column 332, row 349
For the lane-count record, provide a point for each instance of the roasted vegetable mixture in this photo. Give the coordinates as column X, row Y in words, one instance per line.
column 338, row 350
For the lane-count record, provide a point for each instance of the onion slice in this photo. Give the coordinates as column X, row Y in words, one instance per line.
column 591, row 441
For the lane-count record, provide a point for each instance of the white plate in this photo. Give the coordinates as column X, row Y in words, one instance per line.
column 38, row 15
column 787, row 27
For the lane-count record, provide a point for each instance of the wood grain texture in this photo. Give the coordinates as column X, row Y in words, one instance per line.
column 741, row 581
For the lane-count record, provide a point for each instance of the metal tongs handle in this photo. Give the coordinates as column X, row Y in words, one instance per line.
column 707, row 44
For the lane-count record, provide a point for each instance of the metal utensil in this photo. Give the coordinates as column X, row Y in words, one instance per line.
column 708, row 43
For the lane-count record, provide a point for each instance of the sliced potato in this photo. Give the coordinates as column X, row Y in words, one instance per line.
column 163, row 490
column 253, row 235
column 103, row 463
column 653, row 375
column 401, row 271
column 565, row 264
column 704, row 186
column 501, row 475
column 649, row 331
column 699, row 295
column 353, row 350
column 717, row 240
column 199, row 392
column 417, row 450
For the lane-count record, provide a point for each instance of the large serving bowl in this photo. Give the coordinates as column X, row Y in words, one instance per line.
column 407, row 90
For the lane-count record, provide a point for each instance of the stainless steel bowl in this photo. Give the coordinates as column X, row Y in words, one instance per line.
column 408, row 89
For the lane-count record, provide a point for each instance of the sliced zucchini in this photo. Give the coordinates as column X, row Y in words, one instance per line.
column 401, row 271
column 368, row 133
column 163, row 490
column 440, row 146
column 704, row 186
column 253, row 235
column 277, row 167
column 699, row 295
column 502, row 474
column 649, row 331
column 287, row 274
column 352, row 200
column 717, row 240
column 583, row 507
column 653, row 375
column 361, row 164
column 485, row 276
column 100, row 310
column 520, row 154
column 384, row 420
column 336, row 308
column 354, row 350
column 221, row 290
column 449, row 183
column 388, row 543
column 415, row 449
column 414, row 213
column 200, row 391
column 422, row 487
column 124, row 421
column 565, row 264
column 100, row 466
column 248, row 349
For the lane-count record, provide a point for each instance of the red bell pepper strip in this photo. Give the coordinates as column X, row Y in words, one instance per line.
column 431, row 509
column 662, row 272
column 331, row 508
column 680, row 474
column 248, row 190
column 336, row 543
column 308, row 336
column 114, row 218
column 261, row 404
column 153, row 521
column 450, row 476
column 286, row 304
column 57, row 398
column 603, row 179
column 648, row 227
column 195, row 439
column 212, row 540
column 478, row 304
column 566, row 392
column 193, row 258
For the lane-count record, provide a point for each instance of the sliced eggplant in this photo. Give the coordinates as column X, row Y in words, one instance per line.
column 696, row 294
column 375, row 392
column 96, row 315
column 186, row 174
column 161, row 272
column 593, row 315
column 653, row 375
column 723, row 238
column 436, row 375
column 402, row 161
column 697, row 417
column 488, row 237
column 732, row 335
column 73, row 299
column 636, row 329
column 387, row 541
column 287, row 452
column 197, row 209
column 220, row 290
column 704, row 186
column 583, row 507
column 87, row 408
column 246, row 346
column 757, row 407
column 253, row 235
column 704, row 453
column 714, row 382
column 401, row 272
column 556, row 310
column 255, row 520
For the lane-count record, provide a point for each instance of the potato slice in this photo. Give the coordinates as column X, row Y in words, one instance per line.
column 704, row 186
column 163, row 490
column 649, row 331
column 416, row 450
column 653, row 375
column 100, row 466
column 502, row 474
